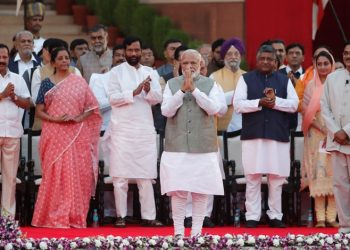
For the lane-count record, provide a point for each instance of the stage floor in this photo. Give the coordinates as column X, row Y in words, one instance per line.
column 133, row 230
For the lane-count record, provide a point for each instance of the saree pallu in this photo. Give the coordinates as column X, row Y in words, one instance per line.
column 69, row 157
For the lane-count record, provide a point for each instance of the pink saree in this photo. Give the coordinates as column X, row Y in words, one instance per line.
column 69, row 157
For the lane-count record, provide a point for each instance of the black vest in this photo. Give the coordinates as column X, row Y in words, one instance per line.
column 267, row 123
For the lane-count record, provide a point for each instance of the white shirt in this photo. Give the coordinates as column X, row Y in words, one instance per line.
column 133, row 137
column 99, row 86
column 10, row 114
column 198, row 173
column 23, row 66
column 38, row 44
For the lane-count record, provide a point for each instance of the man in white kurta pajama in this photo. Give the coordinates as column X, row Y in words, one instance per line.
column 265, row 98
column 335, row 108
column 132, row 90
column 189, row 162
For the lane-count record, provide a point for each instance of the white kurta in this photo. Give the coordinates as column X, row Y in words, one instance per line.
column 133, row 137
column 265, row 156
column 199, row 173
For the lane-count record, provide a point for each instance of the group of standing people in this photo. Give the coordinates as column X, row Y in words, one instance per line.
column 258, row 102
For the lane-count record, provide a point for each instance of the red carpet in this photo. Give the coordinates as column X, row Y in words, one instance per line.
column 163, row 231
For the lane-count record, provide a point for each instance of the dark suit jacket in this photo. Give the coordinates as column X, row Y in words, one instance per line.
column 13, row 66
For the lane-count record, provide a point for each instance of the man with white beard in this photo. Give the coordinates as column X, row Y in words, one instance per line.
column 25, row 58
column 189, row 163
column 227, row 77
column 99, row 58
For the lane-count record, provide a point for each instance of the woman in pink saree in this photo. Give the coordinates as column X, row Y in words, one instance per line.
column 68, row 147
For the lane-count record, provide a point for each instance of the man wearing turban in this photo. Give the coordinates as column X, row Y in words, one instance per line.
column 231, row 52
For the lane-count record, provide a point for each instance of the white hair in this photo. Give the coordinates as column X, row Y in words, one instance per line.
column 193, row 52
column 23, row 32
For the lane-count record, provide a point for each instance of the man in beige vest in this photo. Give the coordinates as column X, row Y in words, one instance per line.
column 227, row 77
column 189, row 163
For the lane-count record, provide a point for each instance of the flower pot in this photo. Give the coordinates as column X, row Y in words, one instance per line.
column 112, row 35
column 63, row 7
column 91, row 21
column 79, row 14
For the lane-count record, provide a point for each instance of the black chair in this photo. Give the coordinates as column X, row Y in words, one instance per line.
column 296, row 162
column 34, row 170
column 222, row 207
column 239, row 182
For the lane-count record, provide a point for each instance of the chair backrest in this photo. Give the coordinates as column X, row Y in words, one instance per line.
column 296, row 145
column 30, row 149
column 233, row 149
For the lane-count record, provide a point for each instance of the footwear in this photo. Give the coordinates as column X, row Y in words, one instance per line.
column 251, row 223
column 207, row 222
column 344, row 230
column 151, row 223
column 109, row 220
column 120, row 222
column 332, row 224
column 188, row 222
column 320, row 223
column 275, row 223
column 132, row 220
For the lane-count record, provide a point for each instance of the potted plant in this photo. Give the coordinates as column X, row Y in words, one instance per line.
column 80, row 11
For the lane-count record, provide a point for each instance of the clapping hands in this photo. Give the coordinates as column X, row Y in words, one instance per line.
column 270, row 98
column 144, row 85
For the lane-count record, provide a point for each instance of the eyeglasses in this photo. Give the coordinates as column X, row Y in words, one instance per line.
column 268, row 59
column 346, row 53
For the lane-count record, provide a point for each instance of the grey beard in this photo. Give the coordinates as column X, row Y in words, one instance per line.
column 233, row 65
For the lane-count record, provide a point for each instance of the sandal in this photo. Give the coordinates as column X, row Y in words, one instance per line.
column 151, row 223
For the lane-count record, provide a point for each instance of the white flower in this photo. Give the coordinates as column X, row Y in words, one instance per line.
column 300, row 239
column 291, row 236
column 262, row 237
column 240, row 242
column 98, row 243
column 239, row 236
column 152, row 242
column 309, row 240
column 110, row 243
column 216, row 237
column 139, row 242
column 101, row 238
column 180, row 243
column 73, row 245
column 251, row 240
column 60, row 247
column 8, row 246
column 125, row 242
column 110, row 237
column 86, row 240
column 338, row 246
column 276, row 242
column 322, row 235
column 29, row 245
column 345, row 241
column 329, row 240
column 228, row 236
column 229, row 242
column 200, row 240
column 337, row 236
column 321, row 242
column 43, row 245
column 155, row 237
column 45, row 239
column 165, row 245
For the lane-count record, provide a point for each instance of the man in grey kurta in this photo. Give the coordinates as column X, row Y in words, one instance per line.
column 335, row 108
